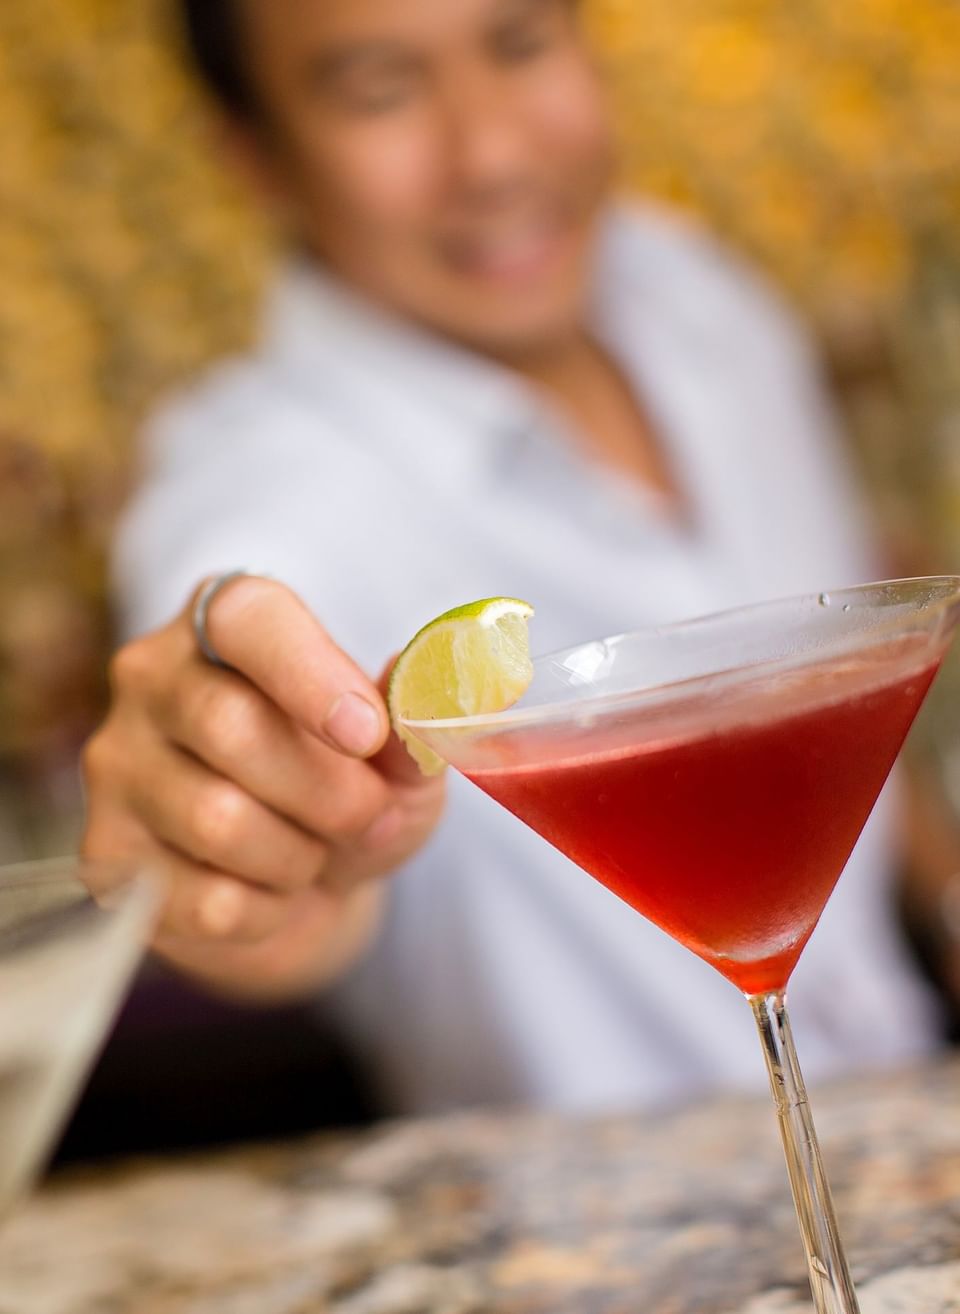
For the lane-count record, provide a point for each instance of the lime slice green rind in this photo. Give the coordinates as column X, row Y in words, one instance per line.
column 472, row 659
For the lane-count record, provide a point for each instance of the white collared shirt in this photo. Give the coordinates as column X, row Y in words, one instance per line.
column 386, row 476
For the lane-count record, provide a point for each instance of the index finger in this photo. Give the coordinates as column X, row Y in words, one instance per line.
column 265, row 632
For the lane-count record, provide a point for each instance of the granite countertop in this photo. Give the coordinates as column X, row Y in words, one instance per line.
column 675, row 1214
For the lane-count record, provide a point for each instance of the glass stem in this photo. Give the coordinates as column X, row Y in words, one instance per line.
column 830, row 1282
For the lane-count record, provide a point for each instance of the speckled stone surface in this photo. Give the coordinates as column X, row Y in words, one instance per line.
column 686, row 1213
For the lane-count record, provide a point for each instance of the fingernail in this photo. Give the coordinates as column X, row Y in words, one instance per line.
column 385, row 829
column 353, row 725
column 221, row 908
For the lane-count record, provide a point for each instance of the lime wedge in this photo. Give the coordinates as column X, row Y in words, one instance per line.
column 471, row 660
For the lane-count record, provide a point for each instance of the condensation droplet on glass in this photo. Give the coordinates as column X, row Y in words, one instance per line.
column 824, row 599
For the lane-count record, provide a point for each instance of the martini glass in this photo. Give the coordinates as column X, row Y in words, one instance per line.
column 716, row 774
column 65, row 961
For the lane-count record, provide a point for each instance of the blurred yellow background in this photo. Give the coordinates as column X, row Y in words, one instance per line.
column 820, row 138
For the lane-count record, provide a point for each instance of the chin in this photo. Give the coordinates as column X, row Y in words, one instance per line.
column 525, row 335
column 520, row 325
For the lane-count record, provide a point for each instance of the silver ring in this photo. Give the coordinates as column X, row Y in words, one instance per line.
column 201, row 612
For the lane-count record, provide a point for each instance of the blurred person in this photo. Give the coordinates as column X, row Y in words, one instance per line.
column 478, row 374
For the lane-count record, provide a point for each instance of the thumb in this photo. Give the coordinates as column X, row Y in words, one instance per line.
column 393, row 761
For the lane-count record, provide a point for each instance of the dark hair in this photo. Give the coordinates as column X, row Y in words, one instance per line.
column 215, row 40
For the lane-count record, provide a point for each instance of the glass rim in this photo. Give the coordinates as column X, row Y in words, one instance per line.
column 67, row 869
column 518, row 717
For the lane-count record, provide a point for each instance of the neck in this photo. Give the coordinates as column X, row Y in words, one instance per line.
column 605, row 415
column 555, row 366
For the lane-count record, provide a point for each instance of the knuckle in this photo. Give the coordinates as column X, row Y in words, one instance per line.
column 105, row 764
column 199, row 903
column 216, row 818
column 131, row 667
column 247, row 917
column 95, row 840
column 225, row 720
column 97, row 757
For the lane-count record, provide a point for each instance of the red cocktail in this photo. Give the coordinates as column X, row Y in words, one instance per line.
column 730, row 834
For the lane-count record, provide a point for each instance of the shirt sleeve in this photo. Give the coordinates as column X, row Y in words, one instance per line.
column 239, row 474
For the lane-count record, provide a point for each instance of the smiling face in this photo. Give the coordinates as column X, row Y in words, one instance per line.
column 448, row 159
